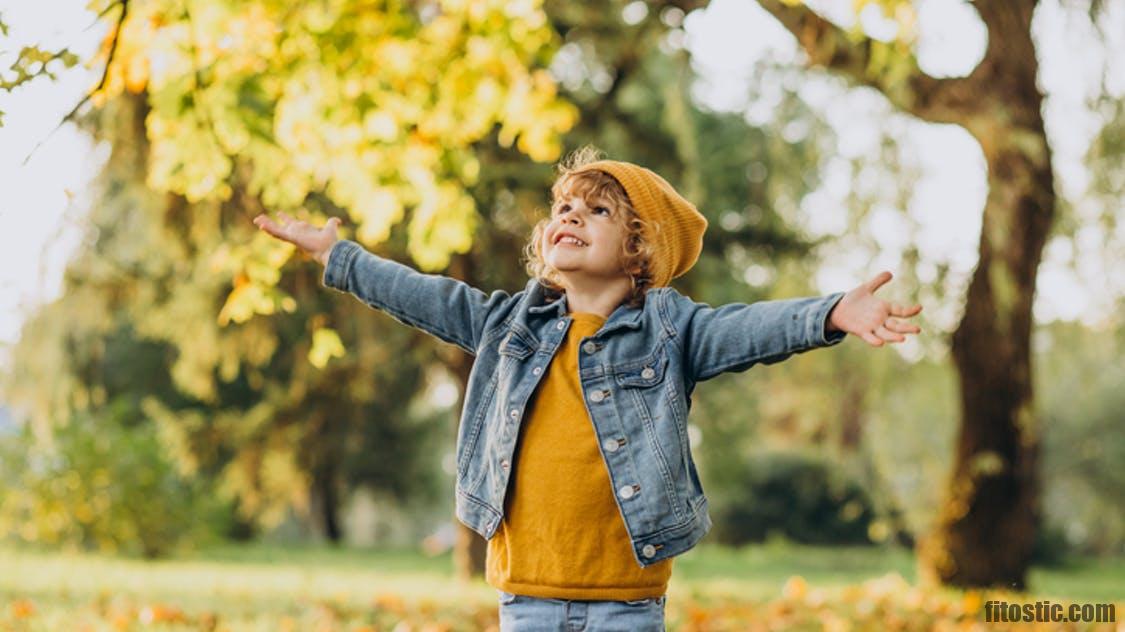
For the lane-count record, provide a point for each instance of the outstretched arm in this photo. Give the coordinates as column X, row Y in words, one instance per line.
column 736, row 336
column 877, row 321
column 444, row 307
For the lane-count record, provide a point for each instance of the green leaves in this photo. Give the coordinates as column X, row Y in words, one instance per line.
column 376, row 107
column 31, row 62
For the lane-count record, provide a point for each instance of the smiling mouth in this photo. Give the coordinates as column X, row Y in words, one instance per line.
column 571, row 241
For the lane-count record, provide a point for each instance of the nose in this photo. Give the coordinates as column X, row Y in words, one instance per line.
column 570, row 217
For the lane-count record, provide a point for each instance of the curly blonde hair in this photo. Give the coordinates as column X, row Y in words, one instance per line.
column 636, row 251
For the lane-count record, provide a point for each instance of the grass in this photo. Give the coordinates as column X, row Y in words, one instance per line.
column 263, row 586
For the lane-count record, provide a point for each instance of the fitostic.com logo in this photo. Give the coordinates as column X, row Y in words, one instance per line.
column 1048, row 612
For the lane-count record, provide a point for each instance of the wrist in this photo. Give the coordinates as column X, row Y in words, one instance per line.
column 830, row 322
column 323, row 255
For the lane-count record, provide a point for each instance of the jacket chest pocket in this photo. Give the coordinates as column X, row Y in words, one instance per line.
column 640, row 381
column 515, row 346
column 642, row 374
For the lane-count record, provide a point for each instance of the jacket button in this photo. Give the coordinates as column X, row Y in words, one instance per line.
column 597, row 396
column 537, row 370
column 627, row 491
column 589, row 347
column 504, row 464
column 648, row 550
column 610, row 445
column 513, row 413
column 560, row 325
column 648, row 373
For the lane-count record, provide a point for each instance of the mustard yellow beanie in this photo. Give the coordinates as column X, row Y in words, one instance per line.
column 675, row 226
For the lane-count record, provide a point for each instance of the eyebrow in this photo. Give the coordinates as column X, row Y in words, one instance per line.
column 595, row 204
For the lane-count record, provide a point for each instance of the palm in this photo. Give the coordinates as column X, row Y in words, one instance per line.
column 314, row 241
column 877, row 321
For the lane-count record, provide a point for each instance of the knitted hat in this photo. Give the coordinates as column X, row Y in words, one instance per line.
column 675, row 226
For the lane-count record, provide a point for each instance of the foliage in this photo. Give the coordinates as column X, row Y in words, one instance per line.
column 31, row 62
column 799, row 496
column 375, row 107
column 242, row 406
column 1080, row 376
column 104, row 483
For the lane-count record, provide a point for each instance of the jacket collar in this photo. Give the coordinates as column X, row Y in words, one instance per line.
column 622, row 316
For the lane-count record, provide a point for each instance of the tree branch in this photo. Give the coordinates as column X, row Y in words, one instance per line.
column 906, row 86
column 105, row 74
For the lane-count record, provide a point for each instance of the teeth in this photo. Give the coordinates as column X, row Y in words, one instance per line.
column 572, row 240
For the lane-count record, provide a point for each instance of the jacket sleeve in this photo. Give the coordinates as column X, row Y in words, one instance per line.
column 736, row 336
column 444, row 307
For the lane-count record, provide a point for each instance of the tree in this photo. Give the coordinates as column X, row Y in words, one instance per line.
column 987, row 523
column 265, row 410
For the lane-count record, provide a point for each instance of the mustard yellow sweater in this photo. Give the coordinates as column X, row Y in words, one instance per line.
column 562, row 535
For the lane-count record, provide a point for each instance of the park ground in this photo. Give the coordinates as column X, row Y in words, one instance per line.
column 775, row 586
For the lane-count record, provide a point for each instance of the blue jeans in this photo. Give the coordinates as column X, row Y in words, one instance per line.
column 519, row 613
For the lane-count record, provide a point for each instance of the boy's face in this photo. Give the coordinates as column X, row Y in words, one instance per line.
column 600, row 232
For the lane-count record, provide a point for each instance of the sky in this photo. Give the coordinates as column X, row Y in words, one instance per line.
column 43, row 202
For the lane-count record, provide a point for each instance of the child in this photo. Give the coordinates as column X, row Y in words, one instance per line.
column 572, row 452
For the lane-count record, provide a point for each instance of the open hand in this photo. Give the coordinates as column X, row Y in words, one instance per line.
column 315, row 242
column 877, row 321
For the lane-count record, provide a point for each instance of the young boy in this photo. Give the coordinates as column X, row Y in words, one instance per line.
column 572, row 452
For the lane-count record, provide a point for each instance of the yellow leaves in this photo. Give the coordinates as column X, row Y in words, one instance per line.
column 378, row 210
column 130, row 67
column 158, row 613
column 795, row 588
column 971, row 602
column 326, row 345
column 254, row 33
column 259, row 270
column 380, row 125
column 532, row 112
column 21, row 609
column 442, row 225
column 361, row 102
column 185, row 157
column 248, row 299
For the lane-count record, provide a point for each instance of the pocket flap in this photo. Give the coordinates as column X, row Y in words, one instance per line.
column 642, row 374
column 515, row 346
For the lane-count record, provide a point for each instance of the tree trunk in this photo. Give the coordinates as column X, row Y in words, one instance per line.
column 327, row 502
column 987, row 523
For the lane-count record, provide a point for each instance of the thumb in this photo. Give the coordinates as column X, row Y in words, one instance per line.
column 877, row 282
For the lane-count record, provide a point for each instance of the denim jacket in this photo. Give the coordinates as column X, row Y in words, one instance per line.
column 637, row 374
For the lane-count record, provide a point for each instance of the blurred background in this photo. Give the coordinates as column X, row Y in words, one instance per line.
column 186, row 411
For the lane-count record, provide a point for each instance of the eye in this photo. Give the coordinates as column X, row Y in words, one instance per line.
column 562, row 209
column 601, row 209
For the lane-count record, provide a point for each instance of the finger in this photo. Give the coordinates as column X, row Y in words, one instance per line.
column 871, row 339
column 879, row 280
column 888, row 335
column 285, row 216
column 268, row 225
column 901, row 327
column 905, row 312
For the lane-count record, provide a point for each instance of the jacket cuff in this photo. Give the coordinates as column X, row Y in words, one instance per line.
column 339, row 260
column 818, row 324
